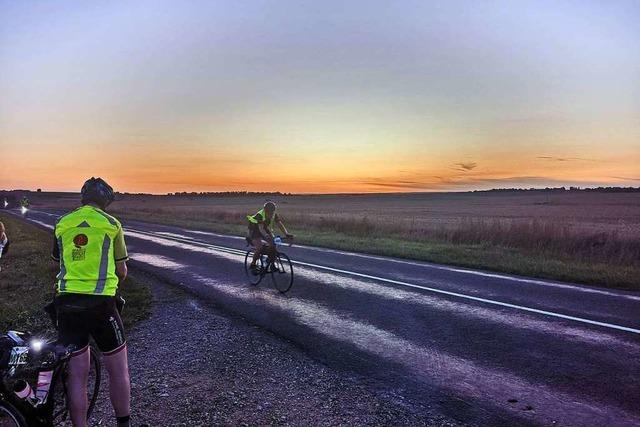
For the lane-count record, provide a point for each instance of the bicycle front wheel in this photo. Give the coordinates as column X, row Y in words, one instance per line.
column 283, row 276
column 10, row 416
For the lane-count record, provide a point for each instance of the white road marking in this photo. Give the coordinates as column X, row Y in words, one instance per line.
column 169, row 234
column 158, row 261
column 44, row 213
column 414, row 286
column 44, row 224
column 209, row 233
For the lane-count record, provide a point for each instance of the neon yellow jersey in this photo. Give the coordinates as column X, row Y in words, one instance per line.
column 261, row 218
column 89, row 244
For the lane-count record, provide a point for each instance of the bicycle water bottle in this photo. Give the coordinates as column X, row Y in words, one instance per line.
column 277, row 240
column 23, row 390
column 44, row 383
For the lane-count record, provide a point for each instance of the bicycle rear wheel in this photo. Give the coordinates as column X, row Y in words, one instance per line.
column 283, row 277
column 60, row 407
column 254, row 277
column 10, row 416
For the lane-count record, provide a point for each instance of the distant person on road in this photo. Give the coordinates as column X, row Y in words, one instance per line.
column 90, row 248
column 4, row 241
column 24, row 205
column 261, row 229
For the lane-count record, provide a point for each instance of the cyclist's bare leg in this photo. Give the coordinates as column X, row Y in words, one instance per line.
column 257, row 250
column 271, row 251
column 77, row 387
column 119, row 383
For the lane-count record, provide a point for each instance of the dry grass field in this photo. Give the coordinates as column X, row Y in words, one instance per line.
column 586, row 237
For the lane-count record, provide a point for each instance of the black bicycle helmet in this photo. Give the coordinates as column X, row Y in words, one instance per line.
column 270, row 207
column 96, row 190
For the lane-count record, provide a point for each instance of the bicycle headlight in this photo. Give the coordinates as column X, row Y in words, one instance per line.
column 36, row 345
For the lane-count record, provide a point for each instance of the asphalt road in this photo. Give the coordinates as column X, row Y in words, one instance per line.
column 485, row 348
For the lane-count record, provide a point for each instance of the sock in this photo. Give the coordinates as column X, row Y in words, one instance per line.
column 123, row 421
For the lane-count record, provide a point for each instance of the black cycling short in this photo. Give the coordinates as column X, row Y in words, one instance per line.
column 83, row 316
column 254, row 232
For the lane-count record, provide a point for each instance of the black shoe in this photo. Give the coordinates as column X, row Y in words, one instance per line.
column 255, row 270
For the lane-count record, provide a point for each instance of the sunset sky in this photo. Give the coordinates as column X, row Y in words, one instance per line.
column 319, row 96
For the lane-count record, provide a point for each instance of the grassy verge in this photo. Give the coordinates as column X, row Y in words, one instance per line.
column 27, row 277
column 528, row 262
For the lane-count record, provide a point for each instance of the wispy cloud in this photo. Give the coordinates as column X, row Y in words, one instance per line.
column 465, row 166
column 566, row 159
column 626, row 178
column 399, row 185
column 462, row 182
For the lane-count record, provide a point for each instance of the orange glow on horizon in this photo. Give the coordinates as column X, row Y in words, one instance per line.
column 309, row 177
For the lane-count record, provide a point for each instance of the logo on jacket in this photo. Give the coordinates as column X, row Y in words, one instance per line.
column 79, row 252
column 80, row 240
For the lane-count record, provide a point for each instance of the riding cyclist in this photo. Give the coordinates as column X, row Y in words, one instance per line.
column 90, row 249
column 261, row 229
column 24, row 202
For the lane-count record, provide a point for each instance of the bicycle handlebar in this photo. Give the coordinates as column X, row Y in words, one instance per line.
column 34, row 352
column 280, row 241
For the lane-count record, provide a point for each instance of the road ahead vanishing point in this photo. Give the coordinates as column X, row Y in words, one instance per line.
column 493, row 349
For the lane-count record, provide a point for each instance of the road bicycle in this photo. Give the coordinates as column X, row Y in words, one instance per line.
column 281, row 269
column 24, row 358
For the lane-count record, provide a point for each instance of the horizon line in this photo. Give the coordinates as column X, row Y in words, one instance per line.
column 213, row 193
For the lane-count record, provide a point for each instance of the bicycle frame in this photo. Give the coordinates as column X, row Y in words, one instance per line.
column 41, row 414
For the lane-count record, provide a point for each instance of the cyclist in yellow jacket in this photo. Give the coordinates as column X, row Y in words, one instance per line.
column 90, row 249
column 261, row 227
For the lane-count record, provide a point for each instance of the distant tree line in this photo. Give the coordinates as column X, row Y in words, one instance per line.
column 11, row 193
column 565, row 189
column 227, row 194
